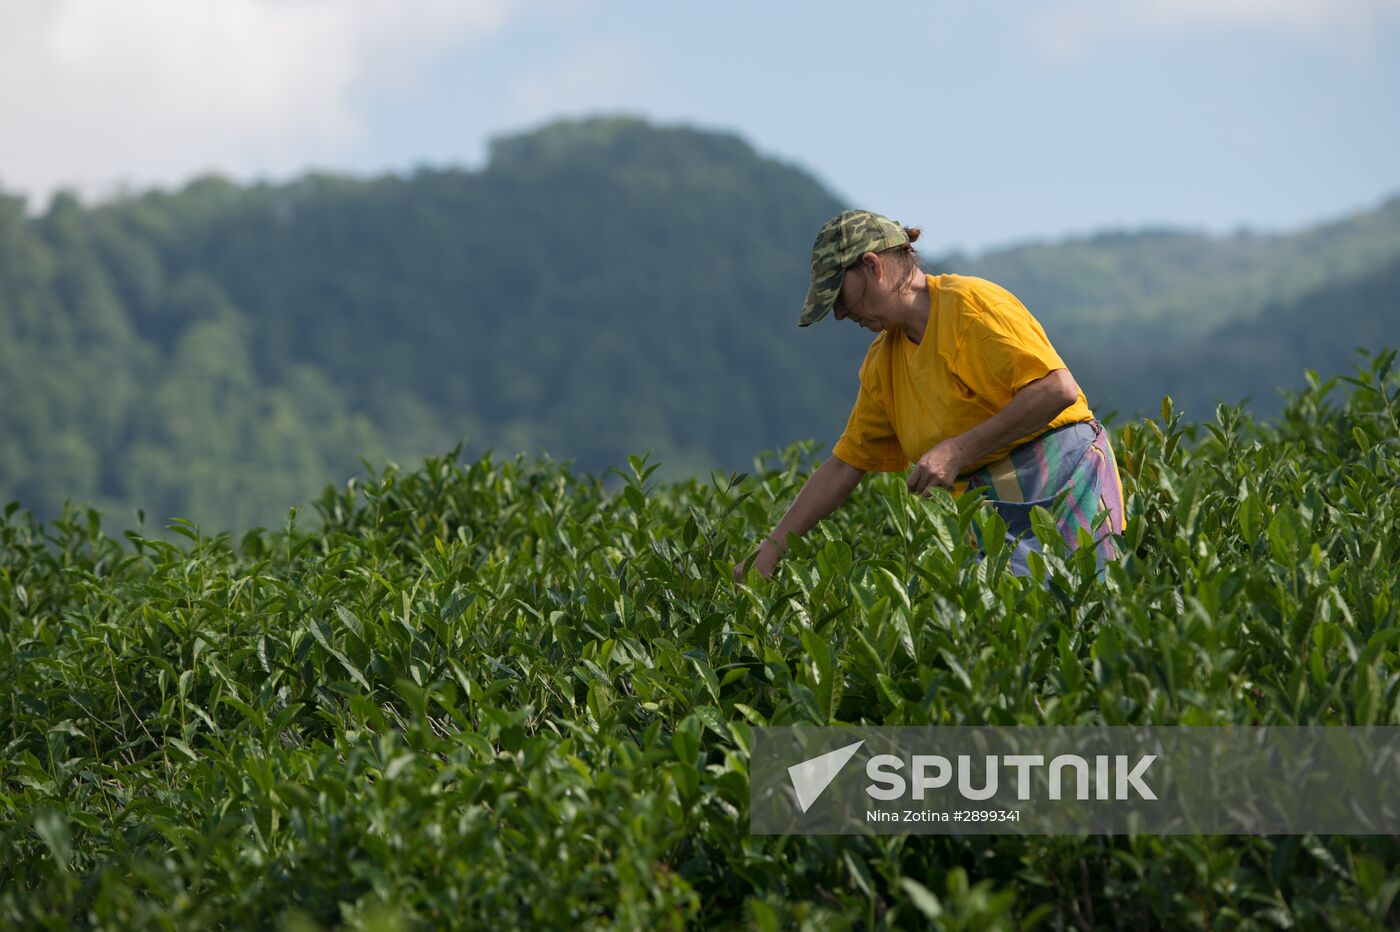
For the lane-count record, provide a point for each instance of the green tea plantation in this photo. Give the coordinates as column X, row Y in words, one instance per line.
column 504, row 694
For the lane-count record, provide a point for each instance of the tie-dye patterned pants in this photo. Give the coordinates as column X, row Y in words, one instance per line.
column 1077, row 458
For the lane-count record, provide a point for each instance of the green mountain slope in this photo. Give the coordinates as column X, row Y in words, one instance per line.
column 1254, row 358
column 600, row 288
column 1142, row 291
column 180, row 423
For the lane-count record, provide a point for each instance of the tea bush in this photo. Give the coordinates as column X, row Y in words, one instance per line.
column 503, row 693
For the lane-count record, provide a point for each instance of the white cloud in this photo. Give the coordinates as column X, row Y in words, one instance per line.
column 1067, row 30
column 146, row 91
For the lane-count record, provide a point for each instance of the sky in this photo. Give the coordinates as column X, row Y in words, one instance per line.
column 984, row 124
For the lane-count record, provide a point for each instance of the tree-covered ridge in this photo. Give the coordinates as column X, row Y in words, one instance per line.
column 95, row 409
column 1140, row 291
column 600, row 287
column 495, row 694
column 1257, row 357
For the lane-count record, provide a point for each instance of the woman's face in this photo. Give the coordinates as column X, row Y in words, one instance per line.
column 859, row 299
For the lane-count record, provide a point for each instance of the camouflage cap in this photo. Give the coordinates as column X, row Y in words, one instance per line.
column 840, row 242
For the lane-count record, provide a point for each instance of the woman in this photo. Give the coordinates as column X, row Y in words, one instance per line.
column 962, row 383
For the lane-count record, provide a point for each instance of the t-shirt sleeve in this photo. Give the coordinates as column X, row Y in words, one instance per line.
column 1001, row 350
column 869, row 441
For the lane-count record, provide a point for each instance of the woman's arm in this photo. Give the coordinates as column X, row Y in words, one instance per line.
column 823, row 491
column 1030, row 409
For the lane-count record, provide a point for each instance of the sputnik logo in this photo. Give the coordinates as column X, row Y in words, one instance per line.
column 811, row 777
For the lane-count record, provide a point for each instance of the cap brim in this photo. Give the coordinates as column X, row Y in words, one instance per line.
column 821, row 296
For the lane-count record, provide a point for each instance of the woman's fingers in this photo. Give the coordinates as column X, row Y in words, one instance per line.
column 764, row 563
column 742, row 569
column 923, row 480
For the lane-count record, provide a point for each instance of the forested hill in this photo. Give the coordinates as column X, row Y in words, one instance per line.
column 1147, row 288
column 601, row 287
column 1253, row 359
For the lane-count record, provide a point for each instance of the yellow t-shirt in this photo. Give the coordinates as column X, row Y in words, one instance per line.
column 980, row 347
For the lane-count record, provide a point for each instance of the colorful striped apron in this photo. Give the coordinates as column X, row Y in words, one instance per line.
column 1077, row 457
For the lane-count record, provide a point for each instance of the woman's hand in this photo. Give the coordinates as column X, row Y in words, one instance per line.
column 764, row 562
column 823, row 491
column 938, row 467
